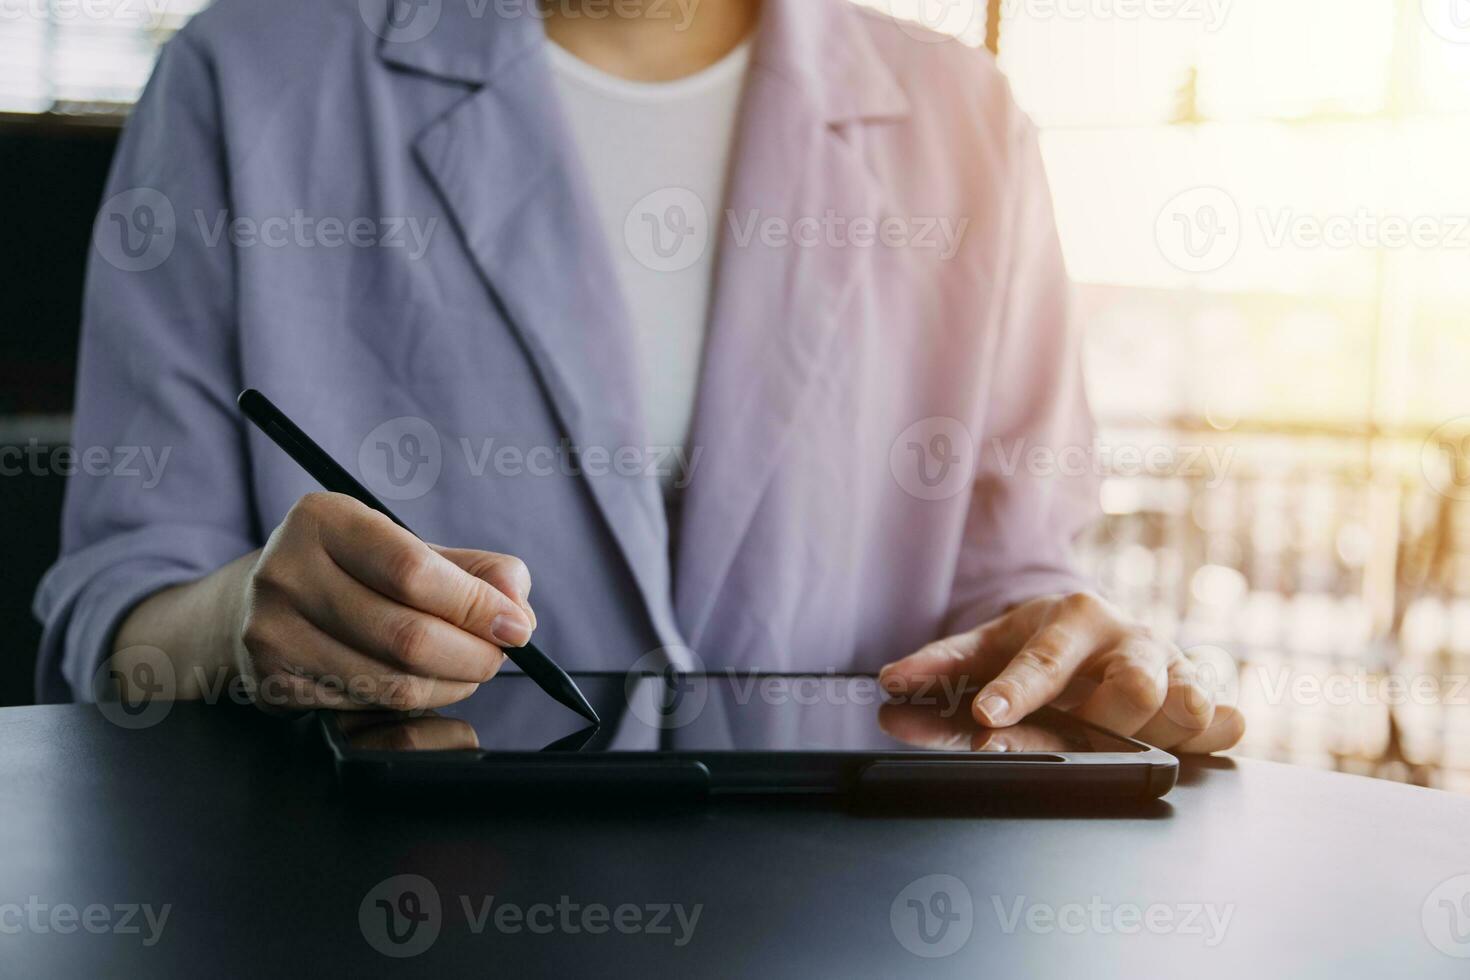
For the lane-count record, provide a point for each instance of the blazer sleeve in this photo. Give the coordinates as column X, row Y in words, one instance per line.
column 1036, row 486
column 159, row 493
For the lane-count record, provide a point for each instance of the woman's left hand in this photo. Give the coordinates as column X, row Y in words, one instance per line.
column 1081, row 654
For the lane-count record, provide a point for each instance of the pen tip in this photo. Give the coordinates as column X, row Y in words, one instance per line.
column 585, row 710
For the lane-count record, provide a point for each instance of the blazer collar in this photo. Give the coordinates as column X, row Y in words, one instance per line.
column 819, row 47
column 533, row 235
column 458, row 40
column 823, row 51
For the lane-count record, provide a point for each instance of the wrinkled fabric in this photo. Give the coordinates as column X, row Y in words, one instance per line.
column 387, row 231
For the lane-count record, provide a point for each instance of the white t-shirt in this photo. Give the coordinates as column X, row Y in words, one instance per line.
column 657, row 155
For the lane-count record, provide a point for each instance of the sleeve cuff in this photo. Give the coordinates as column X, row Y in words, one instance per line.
column 84, row 598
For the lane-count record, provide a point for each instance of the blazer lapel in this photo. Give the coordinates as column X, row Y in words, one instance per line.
column 814, row 77
column 508, row 172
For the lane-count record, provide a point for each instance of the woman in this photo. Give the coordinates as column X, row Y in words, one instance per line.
column 742, row 328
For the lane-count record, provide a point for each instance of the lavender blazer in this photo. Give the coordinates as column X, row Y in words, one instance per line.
column 381, row 222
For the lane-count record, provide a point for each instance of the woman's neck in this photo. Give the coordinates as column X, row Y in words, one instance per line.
column 650, row 40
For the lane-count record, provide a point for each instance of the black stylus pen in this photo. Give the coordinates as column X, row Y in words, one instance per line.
column 326, row 471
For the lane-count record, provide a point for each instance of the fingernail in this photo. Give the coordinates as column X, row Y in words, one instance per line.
column 994, row 708
column 510, row 630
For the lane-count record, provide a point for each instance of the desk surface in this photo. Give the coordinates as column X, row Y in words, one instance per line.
column 231, row 820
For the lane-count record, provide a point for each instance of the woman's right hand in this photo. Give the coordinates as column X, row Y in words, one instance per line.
column 345, row 609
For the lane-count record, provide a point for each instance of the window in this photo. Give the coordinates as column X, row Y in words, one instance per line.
column 1263, row 205
column 1263, row 208
column 82, row 56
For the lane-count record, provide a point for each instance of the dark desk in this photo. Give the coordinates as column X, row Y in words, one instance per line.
column 231, row 820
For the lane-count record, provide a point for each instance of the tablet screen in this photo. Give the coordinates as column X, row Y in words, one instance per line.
column 733, row 712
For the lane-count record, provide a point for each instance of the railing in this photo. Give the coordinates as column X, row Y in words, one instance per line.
column 1331, row 565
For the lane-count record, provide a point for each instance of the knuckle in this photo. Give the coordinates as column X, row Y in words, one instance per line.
column 1058, row 636
column 1140, row 687
column 1043, row 659
column 402, row 694
column 1196, row 706
column 272, row 577
column 407, row 567
column 409, row 640
column 1081, row 604
column 254, row 640
column 1182, row 670
column 260, row 636
column 331, row 689
column 481, row 603
column 311, row 507
column 516, row 574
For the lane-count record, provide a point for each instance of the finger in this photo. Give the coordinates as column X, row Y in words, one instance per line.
column 1135, row 681
column 1036, row 675
column 1225, row 731
column 404, row 638
column 374, row 626
column 304, row 667
column 392, row 562
column 976, row 656
column 505, row 573
column 397, row 635
column 1189, row 709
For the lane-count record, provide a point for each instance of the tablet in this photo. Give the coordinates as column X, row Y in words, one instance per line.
column 731, row 735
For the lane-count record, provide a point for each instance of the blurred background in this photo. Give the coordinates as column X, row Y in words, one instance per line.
column 1266, row 212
